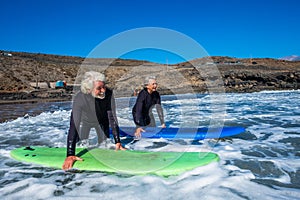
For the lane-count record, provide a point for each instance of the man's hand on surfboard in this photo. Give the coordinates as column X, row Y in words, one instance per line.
column 138, row 132
column 119, row 147
column 69, row 161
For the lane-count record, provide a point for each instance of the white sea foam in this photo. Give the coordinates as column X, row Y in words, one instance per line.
column 259, row 164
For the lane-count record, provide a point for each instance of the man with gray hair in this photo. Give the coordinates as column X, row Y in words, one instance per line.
column 93, row 107
column 142, row 110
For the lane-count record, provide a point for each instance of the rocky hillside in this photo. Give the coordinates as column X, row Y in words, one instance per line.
column 27, row 75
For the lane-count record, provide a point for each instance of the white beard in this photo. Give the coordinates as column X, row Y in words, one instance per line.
column 100, row 96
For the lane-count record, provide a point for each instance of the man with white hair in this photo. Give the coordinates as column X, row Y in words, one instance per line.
column 142, row 110
column 93, row 107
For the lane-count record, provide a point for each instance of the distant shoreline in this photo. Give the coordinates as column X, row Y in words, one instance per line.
column 21, row 101
column 68, row 97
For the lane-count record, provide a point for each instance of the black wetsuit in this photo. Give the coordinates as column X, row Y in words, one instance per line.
column 142, row 110
column 89, row 112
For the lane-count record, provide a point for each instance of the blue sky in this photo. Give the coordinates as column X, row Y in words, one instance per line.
column 236, row 28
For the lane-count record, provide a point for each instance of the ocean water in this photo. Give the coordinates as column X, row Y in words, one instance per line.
column 261, row 163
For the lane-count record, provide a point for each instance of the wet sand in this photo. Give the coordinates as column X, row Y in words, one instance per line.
column 26, row 109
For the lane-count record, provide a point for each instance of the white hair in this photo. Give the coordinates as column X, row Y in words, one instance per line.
column 147, row 80
column 87, row 83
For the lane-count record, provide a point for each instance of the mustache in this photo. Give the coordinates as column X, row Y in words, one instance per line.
column 100, row 95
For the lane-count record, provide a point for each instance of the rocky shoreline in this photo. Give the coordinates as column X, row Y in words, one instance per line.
column 28, row 77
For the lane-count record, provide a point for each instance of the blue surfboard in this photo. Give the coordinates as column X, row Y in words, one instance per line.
column 184, row 133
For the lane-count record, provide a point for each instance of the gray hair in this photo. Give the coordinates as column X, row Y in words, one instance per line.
column 87, row 83
column 147, row 80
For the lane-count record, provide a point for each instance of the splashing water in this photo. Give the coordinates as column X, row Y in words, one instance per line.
column 262, row 163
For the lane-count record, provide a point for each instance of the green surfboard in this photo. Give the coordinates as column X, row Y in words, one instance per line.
column 111, row 161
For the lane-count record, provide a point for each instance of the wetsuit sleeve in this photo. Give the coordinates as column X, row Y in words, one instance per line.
column 73, row 136
column 113, row 121
column 160, row 112
column 139, row 120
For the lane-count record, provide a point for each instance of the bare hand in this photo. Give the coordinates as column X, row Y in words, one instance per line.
column 138, row 131
column 163, row 126
column 69, row 161
column 119, row 147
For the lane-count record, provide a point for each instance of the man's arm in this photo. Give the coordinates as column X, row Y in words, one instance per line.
column 73, row 136
column 113, row 121
column 160, row 112
column 139, row 118
column 71, row 145
column 114, row 126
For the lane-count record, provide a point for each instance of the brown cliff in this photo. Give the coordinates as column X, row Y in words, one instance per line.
column 31, row 77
